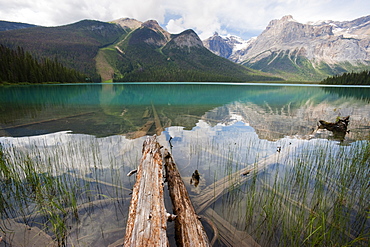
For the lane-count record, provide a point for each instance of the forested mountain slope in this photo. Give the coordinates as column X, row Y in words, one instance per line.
column 128, row 50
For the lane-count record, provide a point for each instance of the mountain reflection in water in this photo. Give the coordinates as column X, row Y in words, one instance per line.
column 136, row 110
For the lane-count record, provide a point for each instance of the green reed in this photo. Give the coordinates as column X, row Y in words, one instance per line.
column 32, row 188
column 45, row 184
column 317, row 196
column 313, row 193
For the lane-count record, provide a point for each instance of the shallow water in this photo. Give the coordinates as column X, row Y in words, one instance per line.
column 91, row 135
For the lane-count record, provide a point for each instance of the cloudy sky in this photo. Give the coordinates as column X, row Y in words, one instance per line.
column 244, row 18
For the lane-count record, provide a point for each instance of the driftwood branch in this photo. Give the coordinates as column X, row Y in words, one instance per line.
column 189, row 230
column 339, row 127
column 146, row 224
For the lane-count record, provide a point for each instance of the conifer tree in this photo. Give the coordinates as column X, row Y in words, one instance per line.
column 353, row 78
column 19, row 66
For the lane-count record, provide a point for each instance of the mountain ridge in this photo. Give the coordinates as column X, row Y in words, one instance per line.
column 149, row 53
column 299, row 51
column 286, row 48
column 9, row 25
column 129, row 50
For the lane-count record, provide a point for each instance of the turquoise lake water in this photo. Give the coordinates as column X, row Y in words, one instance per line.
column 92, row 135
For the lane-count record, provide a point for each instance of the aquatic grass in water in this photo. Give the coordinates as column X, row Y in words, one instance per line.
column 318, row 196
column 48, row 180
column 311, row 193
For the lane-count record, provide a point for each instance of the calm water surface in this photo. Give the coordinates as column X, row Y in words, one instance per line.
column 92, row 134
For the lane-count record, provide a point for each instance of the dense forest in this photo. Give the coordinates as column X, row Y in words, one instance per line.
column 353, row 78
column 19, row 66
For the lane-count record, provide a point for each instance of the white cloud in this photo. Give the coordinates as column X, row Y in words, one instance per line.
column 205, row 17
column 175, row 25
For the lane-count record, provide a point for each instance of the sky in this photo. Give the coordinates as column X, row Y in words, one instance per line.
column 244, row 18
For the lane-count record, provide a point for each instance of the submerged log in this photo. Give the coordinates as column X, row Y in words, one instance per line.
column 157, row 121
column 142, row 131
column 189, row 230
column 46, row 121
column 214, row 191
column 229, row 235
column 146, row 224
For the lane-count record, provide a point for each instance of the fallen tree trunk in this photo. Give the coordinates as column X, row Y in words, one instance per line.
column 189, row 230
column 146, row 224
column 214, row 191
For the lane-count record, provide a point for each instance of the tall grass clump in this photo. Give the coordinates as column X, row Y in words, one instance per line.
column 47, row 183
column 317, row 195
column 35, row 189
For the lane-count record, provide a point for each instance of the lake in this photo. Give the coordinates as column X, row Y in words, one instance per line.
column 282, row 181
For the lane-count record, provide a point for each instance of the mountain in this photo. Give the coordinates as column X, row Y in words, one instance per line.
column 75, row 45
column 226, row 47
column 149, row 53
column 129, row 50
column 8, row 25
column 297, row 51
column 128, row 23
